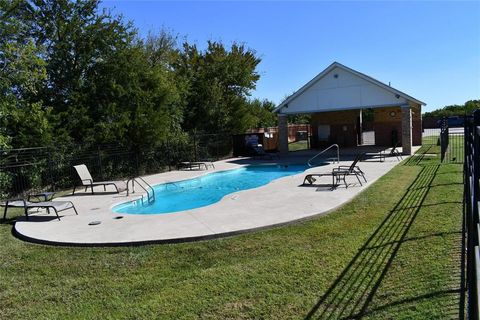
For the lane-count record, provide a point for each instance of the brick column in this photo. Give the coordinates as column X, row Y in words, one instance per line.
column 407, row 130
column 282, row 133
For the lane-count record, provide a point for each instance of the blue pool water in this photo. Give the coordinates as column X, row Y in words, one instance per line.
column 208, row 189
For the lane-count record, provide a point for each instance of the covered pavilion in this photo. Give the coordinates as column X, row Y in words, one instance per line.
column 335, row 99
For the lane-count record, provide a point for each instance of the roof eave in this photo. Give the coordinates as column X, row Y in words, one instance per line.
column 363, row 76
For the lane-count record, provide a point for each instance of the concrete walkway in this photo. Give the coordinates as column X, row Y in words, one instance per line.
column 281, row 201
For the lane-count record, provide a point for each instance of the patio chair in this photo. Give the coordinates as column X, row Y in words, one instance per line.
column 339, row 174
column 57, row 206
column 87, row 181
column 395, row 153
column 259, row 152
column 195, row 165
column 380, row 155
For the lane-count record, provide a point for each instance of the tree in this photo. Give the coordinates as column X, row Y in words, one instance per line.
column 102, row 83
column 455, row 110
column 261, row 113
column 77, row 41
column 86, row 76
column 23, row 119
column 219, row 82
column 162, row 53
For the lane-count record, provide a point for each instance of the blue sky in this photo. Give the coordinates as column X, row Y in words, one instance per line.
column 430, row 50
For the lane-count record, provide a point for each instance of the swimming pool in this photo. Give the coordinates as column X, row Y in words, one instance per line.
column 208, row 189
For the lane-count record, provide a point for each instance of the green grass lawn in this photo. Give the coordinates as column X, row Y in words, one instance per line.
column 299, row 145
column 393, row 252
column 455, row 151
column 430, row 140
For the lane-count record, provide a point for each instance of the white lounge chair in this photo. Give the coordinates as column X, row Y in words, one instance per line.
column 87, row 180
column 57, row 206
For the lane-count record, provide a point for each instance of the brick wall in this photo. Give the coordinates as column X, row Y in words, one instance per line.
column 417, row 125
column 343, row 128
column 389, row 119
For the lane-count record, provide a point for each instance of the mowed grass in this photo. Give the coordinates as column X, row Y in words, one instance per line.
column 298, row 145
column 455, row 151
column 393, row 252
column 431, row 140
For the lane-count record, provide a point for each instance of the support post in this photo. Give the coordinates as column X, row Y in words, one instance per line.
column 282, row 134
column 407, row 130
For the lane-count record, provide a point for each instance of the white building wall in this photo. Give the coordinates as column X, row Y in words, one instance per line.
column 340, row 89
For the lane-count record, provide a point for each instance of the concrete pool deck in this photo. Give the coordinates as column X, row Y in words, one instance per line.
column 281, row 201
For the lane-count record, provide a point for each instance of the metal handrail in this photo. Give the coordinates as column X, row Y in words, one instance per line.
column 150, row 198
column 323, row 151
column 170, row 183
column 150, row 187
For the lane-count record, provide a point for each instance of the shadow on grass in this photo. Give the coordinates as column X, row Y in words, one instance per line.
column 8, row 221
column 421, row 156
column 351, row 294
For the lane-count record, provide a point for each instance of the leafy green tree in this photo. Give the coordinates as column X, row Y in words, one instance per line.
column 299, row 118
column 162, row 53
column 23, row 119
column 455, row 110
column 83, row 73
column 219, row 82
column 136, row 102
column 103, row 84
column 260, row 114
column 77, row 39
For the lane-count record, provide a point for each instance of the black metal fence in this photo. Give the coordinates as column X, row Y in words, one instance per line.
column 28, row 170
column 453, row 138
column 445, row 140
column 471, row 211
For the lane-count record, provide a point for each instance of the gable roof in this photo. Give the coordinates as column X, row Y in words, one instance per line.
column 352, row 71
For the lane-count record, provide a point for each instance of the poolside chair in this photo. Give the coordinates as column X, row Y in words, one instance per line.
column 87, row 180
column 57, row 206
column 198, row 165
column 339, row 174
column 395, row 153
column 259, row 152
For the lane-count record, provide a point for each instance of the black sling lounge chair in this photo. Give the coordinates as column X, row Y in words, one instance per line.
column 394, row 152
column 259, row 152
column 87, row 180
column 57, row 206
column 339, row 174
column 197, row 165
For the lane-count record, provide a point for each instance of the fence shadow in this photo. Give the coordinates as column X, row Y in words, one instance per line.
column 351, row 294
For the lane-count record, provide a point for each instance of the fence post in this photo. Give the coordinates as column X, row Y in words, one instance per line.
column 100, row 162
column 443, row 138
column 471, row 198
column 50, row 168
column 169, row 156
column 217, row 147
column 465, row 262
column 195, row 145
column 137, row 166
